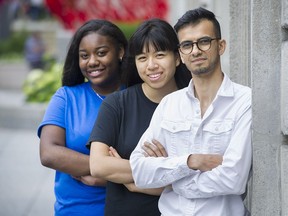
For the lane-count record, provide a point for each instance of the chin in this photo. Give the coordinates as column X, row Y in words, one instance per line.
column 200, row 71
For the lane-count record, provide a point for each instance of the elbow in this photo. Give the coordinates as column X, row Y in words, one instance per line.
column 96, row 170
column 46, row 159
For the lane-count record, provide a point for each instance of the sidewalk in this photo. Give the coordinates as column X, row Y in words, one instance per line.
column 26, row 187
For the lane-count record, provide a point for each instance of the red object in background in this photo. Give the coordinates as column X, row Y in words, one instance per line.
column 72, row 13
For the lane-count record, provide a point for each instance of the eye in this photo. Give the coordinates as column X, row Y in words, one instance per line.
column 204, row 41
column 83, row 56
column 102, row 53
column 186, row 45
column 141, row 58
column 160, row 54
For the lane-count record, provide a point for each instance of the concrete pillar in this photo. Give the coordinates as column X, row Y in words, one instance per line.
column 284, row 108
column 266, row 96
column 240, row 41
column 259, row 56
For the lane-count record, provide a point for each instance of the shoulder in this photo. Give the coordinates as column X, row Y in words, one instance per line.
column 231, row 88
column 175, row 96
column 173, row 100
column 242, row 91
column 77, row 89
column 124, row 94
column 72, row 92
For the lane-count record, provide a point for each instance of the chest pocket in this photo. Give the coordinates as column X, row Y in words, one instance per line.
column 178, row 135
column 217, row 135
column 175, row 127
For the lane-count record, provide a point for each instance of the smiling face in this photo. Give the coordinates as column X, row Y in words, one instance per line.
column 156, row 68
column 201, row 62
column 99, row 60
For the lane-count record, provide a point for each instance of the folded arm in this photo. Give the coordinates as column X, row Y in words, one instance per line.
column 55, row 155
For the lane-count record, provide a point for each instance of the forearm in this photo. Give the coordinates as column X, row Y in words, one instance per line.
column 228, row 177
column 152, row 191
column 66, row 160
column 110, row 168
column 151, row 172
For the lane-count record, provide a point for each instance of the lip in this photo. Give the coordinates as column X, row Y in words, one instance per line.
column 198, row 60
column 154, row 76
column 96, row 72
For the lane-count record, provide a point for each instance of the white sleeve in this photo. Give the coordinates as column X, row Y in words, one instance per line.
column 154, row 172
column 229, row 178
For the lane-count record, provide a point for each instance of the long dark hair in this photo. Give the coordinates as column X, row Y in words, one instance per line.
column 71, row 73
column 162, row 36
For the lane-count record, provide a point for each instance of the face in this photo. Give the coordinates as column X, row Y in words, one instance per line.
column 156, row 68
column 99, row 59
column 201, row 62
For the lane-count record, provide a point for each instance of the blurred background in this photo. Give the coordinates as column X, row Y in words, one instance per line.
column 34, row 35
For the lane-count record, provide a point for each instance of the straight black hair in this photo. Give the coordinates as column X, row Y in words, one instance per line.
column 71, row 73
column 161, row 35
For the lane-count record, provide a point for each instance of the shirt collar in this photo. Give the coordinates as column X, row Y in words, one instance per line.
column 225, row 90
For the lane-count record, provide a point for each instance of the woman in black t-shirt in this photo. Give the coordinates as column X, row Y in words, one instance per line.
column 153, row 70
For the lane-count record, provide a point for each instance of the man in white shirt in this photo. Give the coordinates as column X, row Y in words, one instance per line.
column 204, row 128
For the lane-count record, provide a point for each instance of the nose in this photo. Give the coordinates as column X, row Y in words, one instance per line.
column 152, row 64
column 93, row 61
column 195, row 49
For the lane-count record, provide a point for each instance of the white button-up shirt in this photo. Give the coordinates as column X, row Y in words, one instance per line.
column 224, row 129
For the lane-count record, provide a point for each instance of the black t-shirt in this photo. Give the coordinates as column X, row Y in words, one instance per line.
column 122, row 119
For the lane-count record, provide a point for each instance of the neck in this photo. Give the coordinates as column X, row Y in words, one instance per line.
column 206, row 88
column 156, row 94
column 105, row 90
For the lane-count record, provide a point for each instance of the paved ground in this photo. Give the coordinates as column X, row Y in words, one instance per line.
column 26, row 187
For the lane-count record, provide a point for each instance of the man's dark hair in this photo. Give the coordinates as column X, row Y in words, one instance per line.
column 193, row 17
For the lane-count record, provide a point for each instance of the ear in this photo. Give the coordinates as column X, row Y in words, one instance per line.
column 177, row 59
column 222, row 47
column 121, row 53
column 180, row 56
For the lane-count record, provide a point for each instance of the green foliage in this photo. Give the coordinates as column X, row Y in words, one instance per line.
column 13, row 46
column 128, row 28
column 40, row 85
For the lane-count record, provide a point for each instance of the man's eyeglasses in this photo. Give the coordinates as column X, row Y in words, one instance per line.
column 202, row 44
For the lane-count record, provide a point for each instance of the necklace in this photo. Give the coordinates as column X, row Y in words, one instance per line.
column 101, row 98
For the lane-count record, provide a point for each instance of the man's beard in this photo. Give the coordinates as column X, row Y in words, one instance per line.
column 204, row 70
column 200, row 71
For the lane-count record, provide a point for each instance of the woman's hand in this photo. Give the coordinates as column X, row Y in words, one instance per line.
column 113, row 152
column 154, row 149
column 90, row 180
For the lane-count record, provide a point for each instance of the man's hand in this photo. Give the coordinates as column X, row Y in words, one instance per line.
column 154, row 149
column 204, row 162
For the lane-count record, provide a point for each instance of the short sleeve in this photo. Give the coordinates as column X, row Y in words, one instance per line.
column 106, row 127
column 55, row 112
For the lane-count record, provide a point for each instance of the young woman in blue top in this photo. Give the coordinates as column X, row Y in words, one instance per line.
column 91, row 71
column 154, row 69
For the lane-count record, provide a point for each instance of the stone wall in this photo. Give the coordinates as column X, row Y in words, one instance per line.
column 259, row 56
